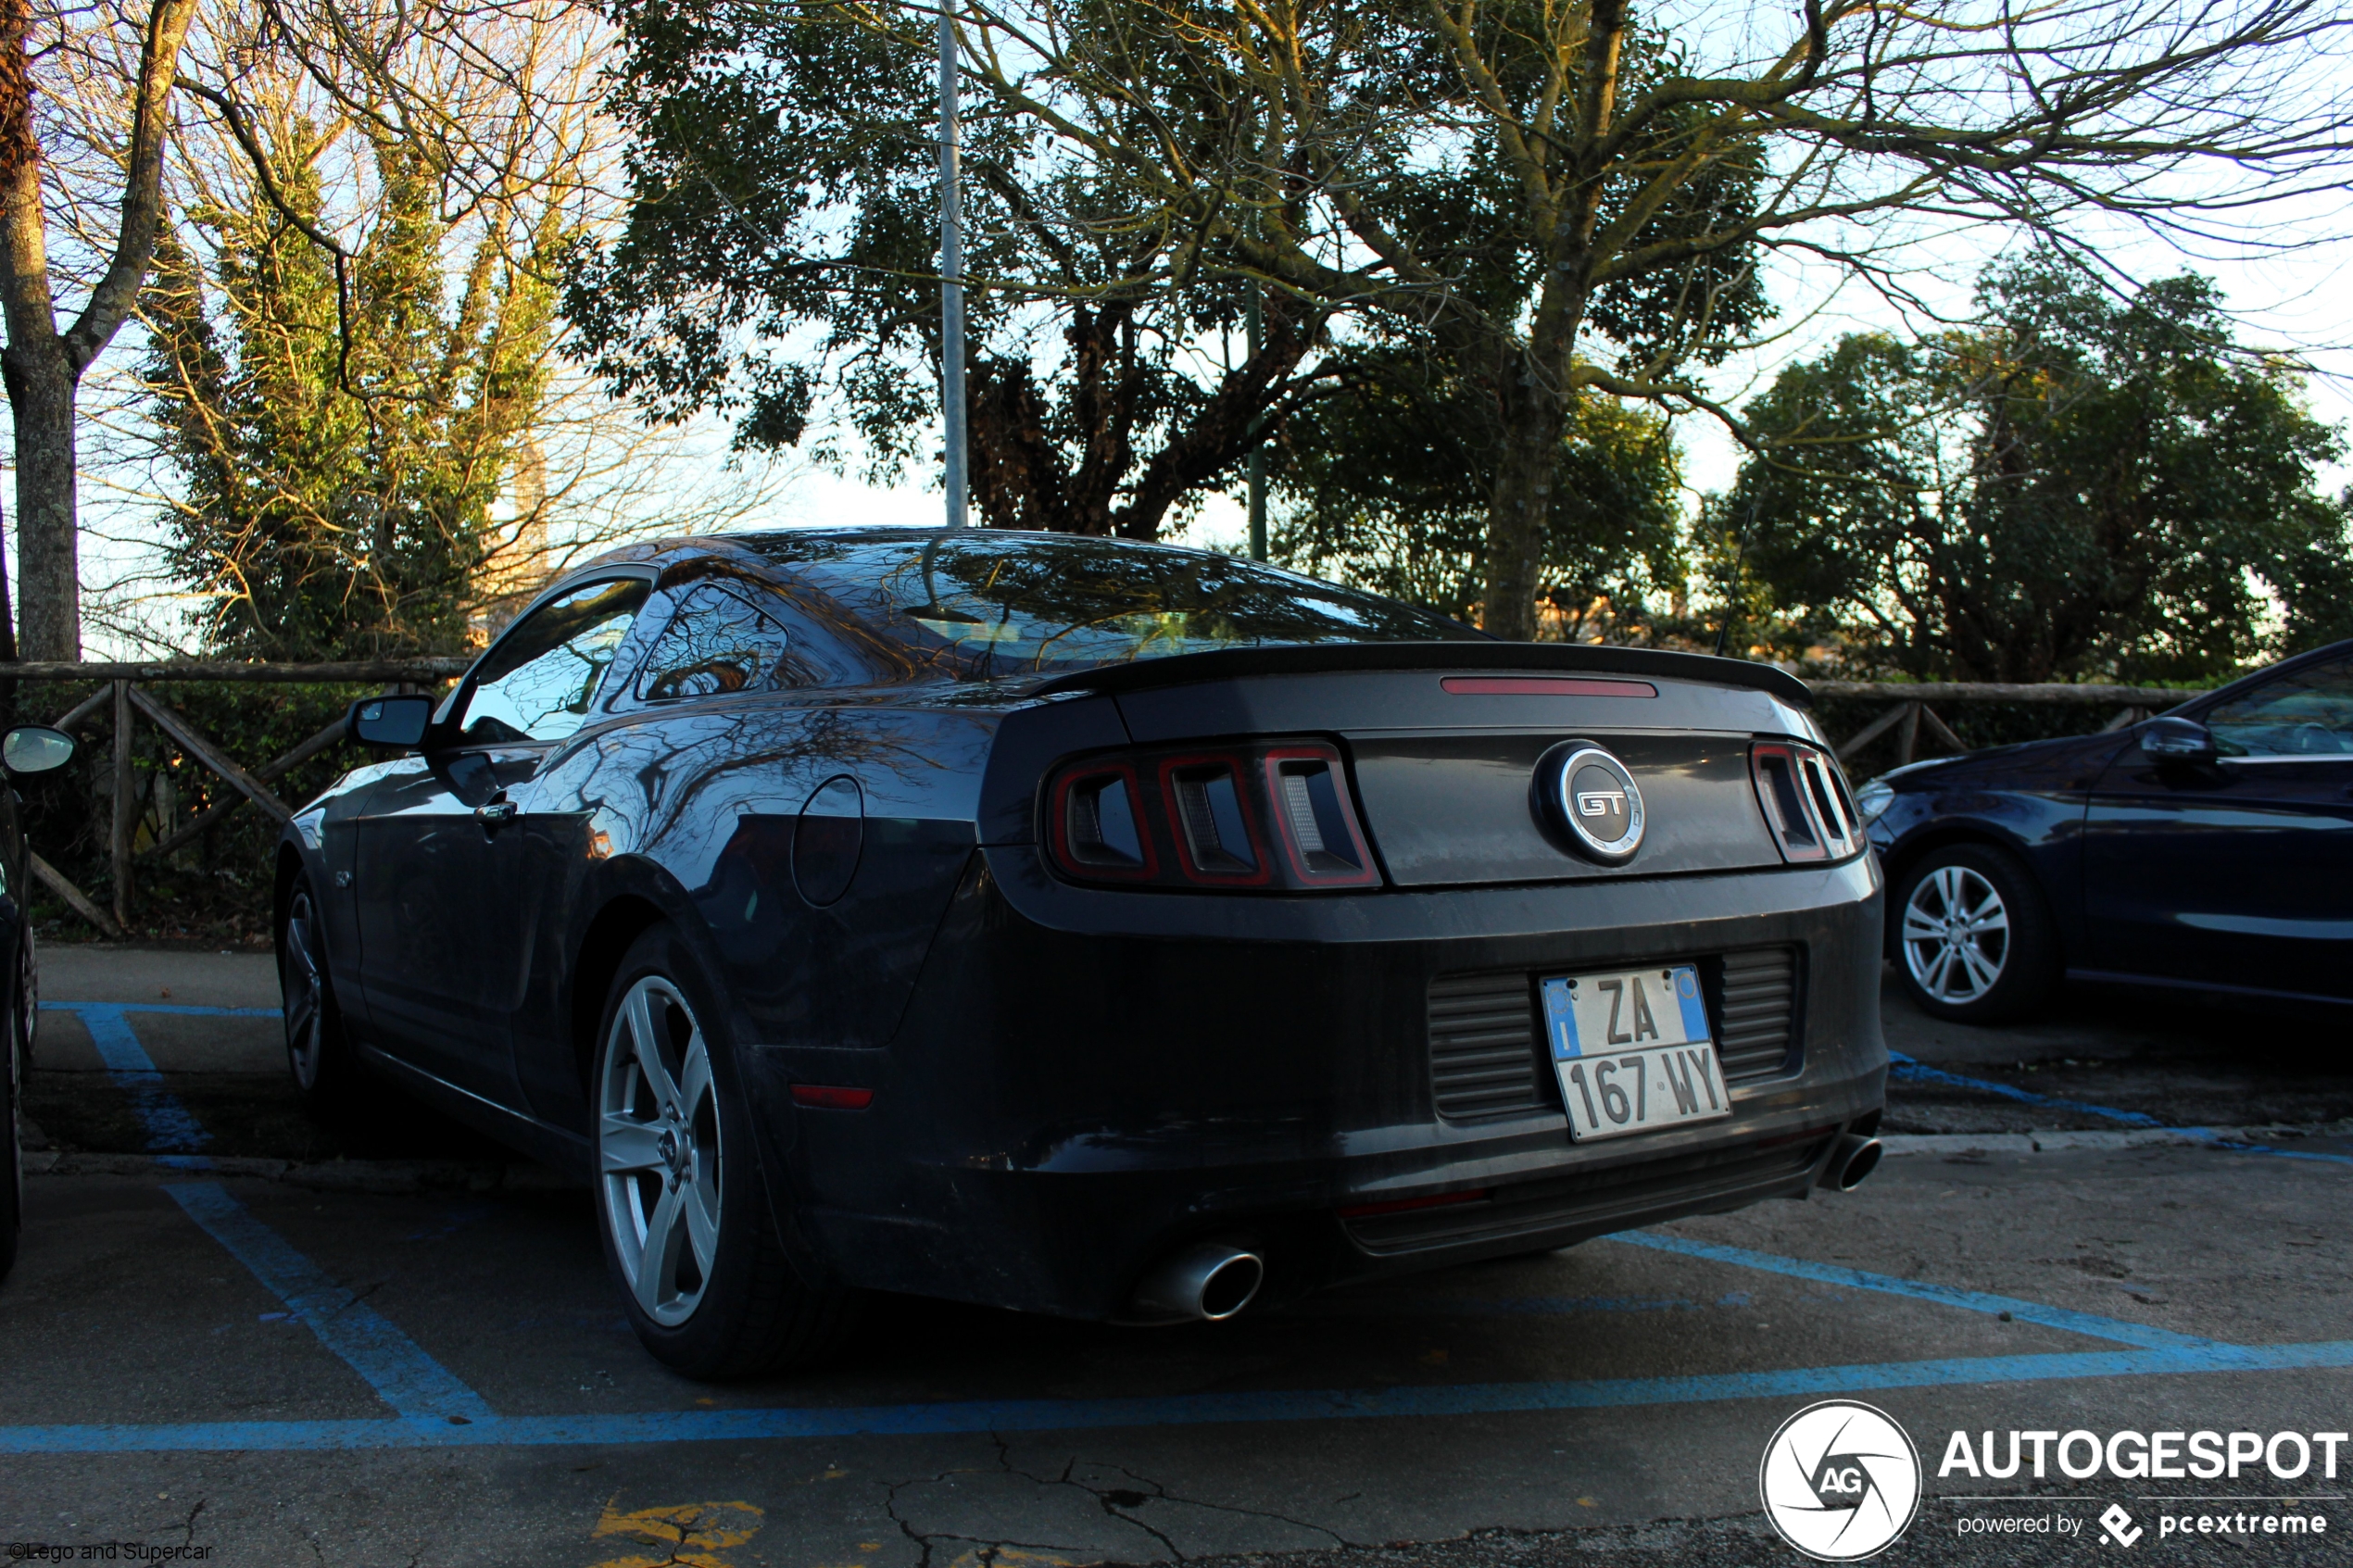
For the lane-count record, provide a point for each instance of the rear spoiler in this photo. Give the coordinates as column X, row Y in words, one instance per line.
column 1316, row 658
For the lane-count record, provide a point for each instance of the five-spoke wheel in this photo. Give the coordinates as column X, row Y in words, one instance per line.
column 322, row 1065
column 688, row 1227
column 1972, row 939
column 659, row 1150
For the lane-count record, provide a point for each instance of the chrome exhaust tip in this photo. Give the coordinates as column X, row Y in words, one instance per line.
column 1854, row 1158
column 1208, row 1282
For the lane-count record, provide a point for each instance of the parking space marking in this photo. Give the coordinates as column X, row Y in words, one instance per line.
column 439, row 1411
column 411, row 1382
column 181, row 1010
column 2086, row 1323
column 1905, row 1067
column 171, row 1129
column 953, row 1418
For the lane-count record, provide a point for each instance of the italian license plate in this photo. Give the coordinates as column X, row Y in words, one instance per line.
column 1632, row 1051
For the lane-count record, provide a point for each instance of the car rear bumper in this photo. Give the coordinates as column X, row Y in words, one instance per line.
column 1086, row 1082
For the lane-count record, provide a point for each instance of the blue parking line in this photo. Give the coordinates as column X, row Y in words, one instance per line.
column 183, row 1010
column 2086, row 1323
column 1907, row 1068
column 412, row 1383
column 171, row 1129
column 950, row 1418
column 1904, row 1067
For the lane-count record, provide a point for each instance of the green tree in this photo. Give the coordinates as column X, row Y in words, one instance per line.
column 339, row 441
column 1559, row 197
column 1390, row 486
column 2075, row 485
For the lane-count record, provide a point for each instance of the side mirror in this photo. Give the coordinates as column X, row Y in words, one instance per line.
column 393, row 723
column 36, row 749
column 2177, row 740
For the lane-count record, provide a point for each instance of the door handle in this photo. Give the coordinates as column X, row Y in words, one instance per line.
column 495, row 813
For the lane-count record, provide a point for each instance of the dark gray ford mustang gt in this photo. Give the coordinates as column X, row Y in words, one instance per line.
column 1085, row 927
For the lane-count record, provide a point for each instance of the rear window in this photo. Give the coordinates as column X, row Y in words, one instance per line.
column 983, row 603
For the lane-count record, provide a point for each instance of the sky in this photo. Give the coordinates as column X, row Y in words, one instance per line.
column 2290, row 281
column 2297, row 299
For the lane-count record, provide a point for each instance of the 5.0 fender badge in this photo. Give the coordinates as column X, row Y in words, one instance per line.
column 1592, row 796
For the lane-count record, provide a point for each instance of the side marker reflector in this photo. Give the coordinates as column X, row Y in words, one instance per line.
column 824, row 1097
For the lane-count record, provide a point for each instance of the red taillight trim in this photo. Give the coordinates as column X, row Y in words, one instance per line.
column 1405, row 1205
column 1058, row 824
column 831, row 1097
column 1270, row 774
column 1238, row 767
column 1542, row 685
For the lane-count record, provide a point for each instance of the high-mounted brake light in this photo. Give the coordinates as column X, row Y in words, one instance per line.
column 1274, row 816
column 1806, row 801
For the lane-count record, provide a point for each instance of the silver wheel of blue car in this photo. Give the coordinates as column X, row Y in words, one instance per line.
column 659, row 1150
column 1956, row 934
column 302, row 992
column 325, row 1076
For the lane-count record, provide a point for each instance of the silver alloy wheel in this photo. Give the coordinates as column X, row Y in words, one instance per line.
column 301, row 991
column 1956, row 934
column 657, row 1150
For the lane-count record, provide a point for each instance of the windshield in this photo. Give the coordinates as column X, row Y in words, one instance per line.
column 989, row 604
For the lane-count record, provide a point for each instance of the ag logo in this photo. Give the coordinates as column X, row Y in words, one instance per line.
column 1840, row 1481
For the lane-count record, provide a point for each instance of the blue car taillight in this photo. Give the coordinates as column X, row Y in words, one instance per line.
column 1275, row 817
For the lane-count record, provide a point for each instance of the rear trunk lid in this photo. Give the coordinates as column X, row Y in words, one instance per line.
column 1447, row 749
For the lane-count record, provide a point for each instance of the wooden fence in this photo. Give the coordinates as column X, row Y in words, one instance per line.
column 124, row 697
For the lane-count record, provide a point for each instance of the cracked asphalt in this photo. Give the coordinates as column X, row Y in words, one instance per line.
column 1389, row 1426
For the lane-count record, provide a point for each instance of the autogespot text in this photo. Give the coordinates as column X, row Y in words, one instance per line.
column 2151, row 1456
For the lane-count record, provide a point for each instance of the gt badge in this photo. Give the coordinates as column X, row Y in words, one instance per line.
column 1590, row 794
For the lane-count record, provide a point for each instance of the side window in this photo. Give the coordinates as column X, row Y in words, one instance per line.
column 719, row 641
column 537, row 682
column 2309, row 713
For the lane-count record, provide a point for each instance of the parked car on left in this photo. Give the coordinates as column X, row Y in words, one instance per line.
column 26, row 749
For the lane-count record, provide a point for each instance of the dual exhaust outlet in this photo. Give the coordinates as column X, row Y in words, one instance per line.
column 1210, row 1281
column 1854, row 1158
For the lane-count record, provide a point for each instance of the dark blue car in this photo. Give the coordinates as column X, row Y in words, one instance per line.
column 2208, row 849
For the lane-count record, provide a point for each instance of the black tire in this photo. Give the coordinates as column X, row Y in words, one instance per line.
column 1973, row 940
column 724, row 1301
column 327, row 1076
column 17, row 1048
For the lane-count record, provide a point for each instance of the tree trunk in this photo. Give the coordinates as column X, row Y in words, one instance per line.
column 40, row 396
column 1532, row 405
column 43, row 366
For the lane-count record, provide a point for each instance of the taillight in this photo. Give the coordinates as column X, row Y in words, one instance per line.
column 1277, row 817
column 1217, row 840
column 1806, row 800
column 1320, row 834
column 1099, row 824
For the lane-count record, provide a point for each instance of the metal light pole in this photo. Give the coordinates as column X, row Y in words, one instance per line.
column 1257, row 451
column 951, row 277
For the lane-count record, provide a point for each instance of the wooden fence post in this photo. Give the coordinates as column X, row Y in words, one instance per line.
column 125, row 795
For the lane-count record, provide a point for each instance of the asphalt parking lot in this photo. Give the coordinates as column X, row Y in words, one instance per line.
column 230, row 1335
